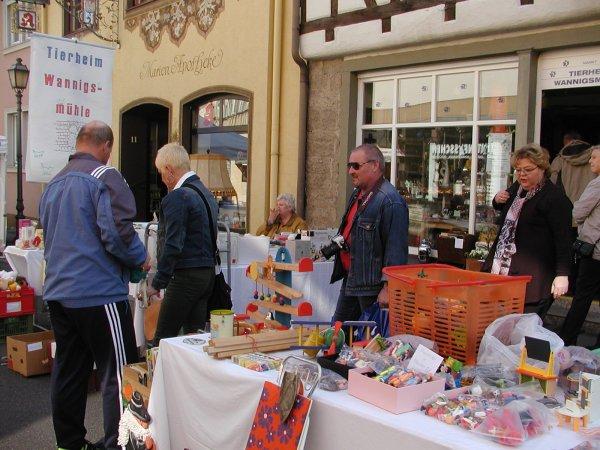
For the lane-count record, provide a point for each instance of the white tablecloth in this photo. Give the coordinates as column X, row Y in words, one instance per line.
column 28, row 264
column 198, row 402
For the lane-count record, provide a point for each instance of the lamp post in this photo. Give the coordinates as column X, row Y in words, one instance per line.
column 19, row 75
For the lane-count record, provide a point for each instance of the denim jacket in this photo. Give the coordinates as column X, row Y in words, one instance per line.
column 378, row 239
column 184, row 239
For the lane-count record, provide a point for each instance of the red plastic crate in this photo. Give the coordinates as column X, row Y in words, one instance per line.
column 17, row 303
column 450, row 306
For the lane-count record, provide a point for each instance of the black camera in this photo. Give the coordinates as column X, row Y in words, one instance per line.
column 424, row 251
column 336, row 244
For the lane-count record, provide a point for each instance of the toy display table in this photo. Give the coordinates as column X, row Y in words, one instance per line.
column 199, row 402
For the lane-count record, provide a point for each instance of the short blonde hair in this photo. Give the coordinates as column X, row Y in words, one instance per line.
column 174, row 155
column 537, row 154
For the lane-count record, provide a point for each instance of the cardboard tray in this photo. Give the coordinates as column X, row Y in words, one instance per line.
column 28, row 353
column 394, row 400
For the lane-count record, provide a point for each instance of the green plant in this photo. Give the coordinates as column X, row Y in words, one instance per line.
column 478, row 253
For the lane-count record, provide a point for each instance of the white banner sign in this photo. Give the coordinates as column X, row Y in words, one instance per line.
column 70, row 84
column 576, row 68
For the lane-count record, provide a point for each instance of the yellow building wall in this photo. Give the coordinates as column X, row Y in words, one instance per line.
column 242, row 33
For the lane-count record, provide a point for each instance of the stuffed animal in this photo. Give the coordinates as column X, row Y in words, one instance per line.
column 133, row 427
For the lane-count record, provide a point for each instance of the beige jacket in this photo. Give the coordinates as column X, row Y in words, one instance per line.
column 572, row 165
column 294, row 224
column 586, row 213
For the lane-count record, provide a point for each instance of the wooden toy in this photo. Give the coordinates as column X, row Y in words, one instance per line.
column 267, row 341
column 585, row 408
column 539, row 350
column 333, row 337
column 573, row 412
column 280, row 301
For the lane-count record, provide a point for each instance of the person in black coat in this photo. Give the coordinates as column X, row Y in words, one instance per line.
column 535, row 231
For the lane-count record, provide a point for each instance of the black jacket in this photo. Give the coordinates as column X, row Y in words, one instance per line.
column 543, row 239
column 184, row 239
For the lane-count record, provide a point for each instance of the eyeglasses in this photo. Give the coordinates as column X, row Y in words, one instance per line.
column 356, row 166
column 525, row 170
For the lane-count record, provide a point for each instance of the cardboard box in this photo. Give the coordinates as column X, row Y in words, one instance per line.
column 28, row 353
column 136, row 378
column 390, row 398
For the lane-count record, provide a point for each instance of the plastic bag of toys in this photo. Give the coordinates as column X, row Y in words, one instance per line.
column 516, row 422
column 331, row 381
column 505, row 336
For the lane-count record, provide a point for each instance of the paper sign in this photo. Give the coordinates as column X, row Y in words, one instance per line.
column 425, row 361
column 13, row 307
column 458, row 243
column 34, row 346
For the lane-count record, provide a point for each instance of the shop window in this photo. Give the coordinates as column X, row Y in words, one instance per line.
column 414, row 100
column 455, row 97
column 378, row 101
column 11, row 133
column 219, row 147
column 433, row 174
column 498, row 94
column 494, row 172
column 13, row 35
column 448, row 145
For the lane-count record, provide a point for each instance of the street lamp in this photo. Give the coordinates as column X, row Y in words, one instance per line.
column 18, row 75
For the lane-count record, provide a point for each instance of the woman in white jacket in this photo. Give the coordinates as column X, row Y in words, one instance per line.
column 586, row 213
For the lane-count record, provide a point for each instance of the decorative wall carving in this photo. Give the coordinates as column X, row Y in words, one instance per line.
column 174, row 18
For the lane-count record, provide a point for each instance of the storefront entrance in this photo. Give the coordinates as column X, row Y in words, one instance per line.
column 144, row 129
column 567, row 111
column 568, row 96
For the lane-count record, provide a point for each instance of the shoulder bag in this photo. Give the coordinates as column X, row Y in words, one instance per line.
column 221, row 294
column 583, row 249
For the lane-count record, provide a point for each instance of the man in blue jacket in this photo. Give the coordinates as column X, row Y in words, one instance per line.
column 375, row 232
column 87, row 212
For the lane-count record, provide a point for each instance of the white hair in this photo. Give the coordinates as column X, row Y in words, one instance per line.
column 174, row 155
column 289, row 199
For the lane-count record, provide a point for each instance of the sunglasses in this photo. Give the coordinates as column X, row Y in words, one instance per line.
column 356, row 166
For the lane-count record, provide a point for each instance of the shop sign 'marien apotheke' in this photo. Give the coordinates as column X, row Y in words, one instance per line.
column 183, row 64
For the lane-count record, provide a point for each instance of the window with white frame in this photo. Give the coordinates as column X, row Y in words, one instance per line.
column 11, row 134
column 12, row 35
column 452, row 130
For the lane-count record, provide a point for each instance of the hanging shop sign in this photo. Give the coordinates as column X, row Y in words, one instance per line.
column 27, row 20
column 572, row 69
column 71, row 83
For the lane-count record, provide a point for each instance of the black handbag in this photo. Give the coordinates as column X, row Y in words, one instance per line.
column 221, row 294
column 583, row 249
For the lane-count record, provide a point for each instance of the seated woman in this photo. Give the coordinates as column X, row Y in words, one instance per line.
column 282, row 218
column 533, row 238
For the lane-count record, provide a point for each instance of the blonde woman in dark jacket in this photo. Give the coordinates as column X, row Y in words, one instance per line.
column 586, row 213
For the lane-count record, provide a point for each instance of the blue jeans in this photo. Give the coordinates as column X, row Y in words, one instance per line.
column 351, row 307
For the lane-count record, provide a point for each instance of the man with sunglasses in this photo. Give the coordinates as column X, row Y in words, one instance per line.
column 375, row 232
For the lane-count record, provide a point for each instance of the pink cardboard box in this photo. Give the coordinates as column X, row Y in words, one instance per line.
column 390, row 398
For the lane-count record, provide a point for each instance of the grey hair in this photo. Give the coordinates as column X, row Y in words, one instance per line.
column 174, row 155
column 594, row 148
column 372, row 153
column 289, row 199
